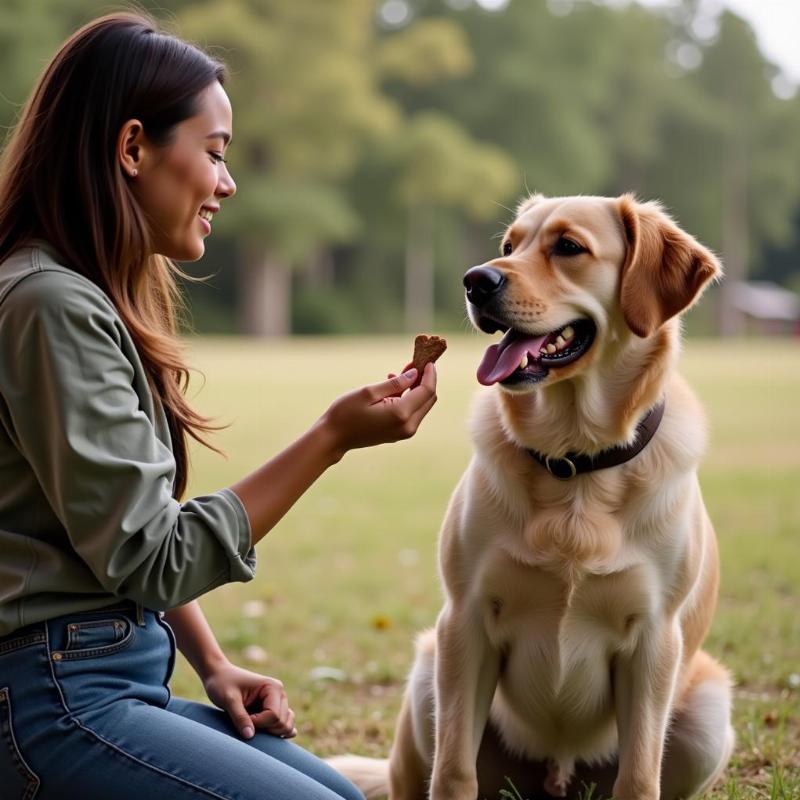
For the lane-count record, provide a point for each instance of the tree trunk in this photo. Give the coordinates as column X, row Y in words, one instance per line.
column 319, row 270
column 419, row 270
column 264, row 293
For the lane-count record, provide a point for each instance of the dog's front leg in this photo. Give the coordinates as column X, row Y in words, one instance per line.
column 467, row 668
column 644, row 685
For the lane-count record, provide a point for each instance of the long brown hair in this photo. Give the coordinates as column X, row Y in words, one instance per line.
column 60, row 180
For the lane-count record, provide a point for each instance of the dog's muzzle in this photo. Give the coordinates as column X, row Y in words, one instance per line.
column 483, row 284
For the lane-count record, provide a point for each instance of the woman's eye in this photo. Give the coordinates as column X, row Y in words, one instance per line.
column 566, row 247
column 507, row 248
column 218, row 157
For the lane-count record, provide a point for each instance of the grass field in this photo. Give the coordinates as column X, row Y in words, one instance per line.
column 349, row 575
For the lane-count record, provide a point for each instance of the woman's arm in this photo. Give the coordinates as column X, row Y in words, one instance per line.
column 76, row 404
column 368, row 416
column 252, row 701
column 195, row 638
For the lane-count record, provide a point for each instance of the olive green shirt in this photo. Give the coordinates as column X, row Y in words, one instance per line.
column 86, row 464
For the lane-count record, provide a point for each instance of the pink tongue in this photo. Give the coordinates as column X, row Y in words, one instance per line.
column 501, row 359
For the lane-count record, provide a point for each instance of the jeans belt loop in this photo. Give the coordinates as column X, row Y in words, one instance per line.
column 140, row 615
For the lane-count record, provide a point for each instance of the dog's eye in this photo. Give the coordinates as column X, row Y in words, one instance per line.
column 507, row 248
column 566, row 247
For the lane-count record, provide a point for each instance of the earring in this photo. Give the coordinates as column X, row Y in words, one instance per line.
column 134, row 172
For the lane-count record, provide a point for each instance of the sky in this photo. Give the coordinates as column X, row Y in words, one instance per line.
column 777, row 27
column 776, row 24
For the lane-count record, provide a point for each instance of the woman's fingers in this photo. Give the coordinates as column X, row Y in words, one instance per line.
column 420, row 395
column 410, row 409
column 394, row 386
column 406, row 368
column 413, row 422
column 276, row 716
column 381, row 412
column 241, row 719
column 419, row 415
column 291, row 725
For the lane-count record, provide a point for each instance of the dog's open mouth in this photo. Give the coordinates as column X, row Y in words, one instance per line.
column 523, row 357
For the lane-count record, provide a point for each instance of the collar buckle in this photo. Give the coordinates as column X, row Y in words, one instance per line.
column 562, row 468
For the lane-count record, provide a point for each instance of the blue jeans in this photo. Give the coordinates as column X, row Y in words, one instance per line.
column 86, row 712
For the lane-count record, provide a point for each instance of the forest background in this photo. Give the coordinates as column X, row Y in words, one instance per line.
column 380, row 145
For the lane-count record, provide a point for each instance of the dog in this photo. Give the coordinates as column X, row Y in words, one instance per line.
column 579, row 565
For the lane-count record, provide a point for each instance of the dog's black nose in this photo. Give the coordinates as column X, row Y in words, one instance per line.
column 482, row 282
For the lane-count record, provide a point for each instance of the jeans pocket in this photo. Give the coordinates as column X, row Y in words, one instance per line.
column 95, row 638
column 19, row 780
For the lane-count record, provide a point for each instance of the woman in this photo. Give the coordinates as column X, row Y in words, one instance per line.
column 115, row 168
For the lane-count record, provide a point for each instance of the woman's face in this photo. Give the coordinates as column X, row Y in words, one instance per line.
column 180, row 187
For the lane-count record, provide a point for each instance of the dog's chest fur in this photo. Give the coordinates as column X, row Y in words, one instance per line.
column 558, row 634
column 564, row 584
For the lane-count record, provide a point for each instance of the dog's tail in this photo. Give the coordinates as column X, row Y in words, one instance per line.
column 371, row 775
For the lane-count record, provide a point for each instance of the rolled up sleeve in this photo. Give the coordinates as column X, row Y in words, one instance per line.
column 76, row 396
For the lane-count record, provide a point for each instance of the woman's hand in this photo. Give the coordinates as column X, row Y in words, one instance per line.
column 252, row 701
column 382, row 412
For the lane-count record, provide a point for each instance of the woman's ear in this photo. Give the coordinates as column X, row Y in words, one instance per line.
column 130, row 145
column 665, row 269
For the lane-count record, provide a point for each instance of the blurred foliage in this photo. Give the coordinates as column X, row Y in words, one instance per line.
column 378, row 146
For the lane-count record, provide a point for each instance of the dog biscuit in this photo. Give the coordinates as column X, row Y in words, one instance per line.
column 427, row 348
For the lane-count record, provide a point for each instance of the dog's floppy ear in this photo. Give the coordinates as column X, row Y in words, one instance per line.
column 665, row 269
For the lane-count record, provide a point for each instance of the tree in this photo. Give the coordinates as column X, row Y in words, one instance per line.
column 30, row 31
column 758, row 156
column 440, row 166
column 435, row 163
column 733, row 154
column 305, row 103
column 601, row 100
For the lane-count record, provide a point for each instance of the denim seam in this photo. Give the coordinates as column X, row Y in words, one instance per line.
column 21, row 641
column 116, row 748
column 22, row 766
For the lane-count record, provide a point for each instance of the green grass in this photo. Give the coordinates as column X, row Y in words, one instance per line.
column 349, row 576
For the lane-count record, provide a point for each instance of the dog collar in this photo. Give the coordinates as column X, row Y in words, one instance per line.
column 571, row 464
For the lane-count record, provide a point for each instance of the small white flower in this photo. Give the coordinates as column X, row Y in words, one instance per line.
column 254, row 608
column 255, row 654
column 327, row 674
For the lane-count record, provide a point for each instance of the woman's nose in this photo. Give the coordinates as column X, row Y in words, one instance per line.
column 227, row 186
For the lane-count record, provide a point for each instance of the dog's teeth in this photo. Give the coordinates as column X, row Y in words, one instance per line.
column 560, row 343
column 551, row 348
column 568, row 332
column 523, row 361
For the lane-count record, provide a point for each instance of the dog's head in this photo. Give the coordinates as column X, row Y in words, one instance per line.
column 575, row 273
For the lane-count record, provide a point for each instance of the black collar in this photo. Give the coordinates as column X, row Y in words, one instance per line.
column 571, row 464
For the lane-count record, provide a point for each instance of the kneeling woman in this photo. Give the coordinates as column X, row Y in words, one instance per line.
column 114, row 169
